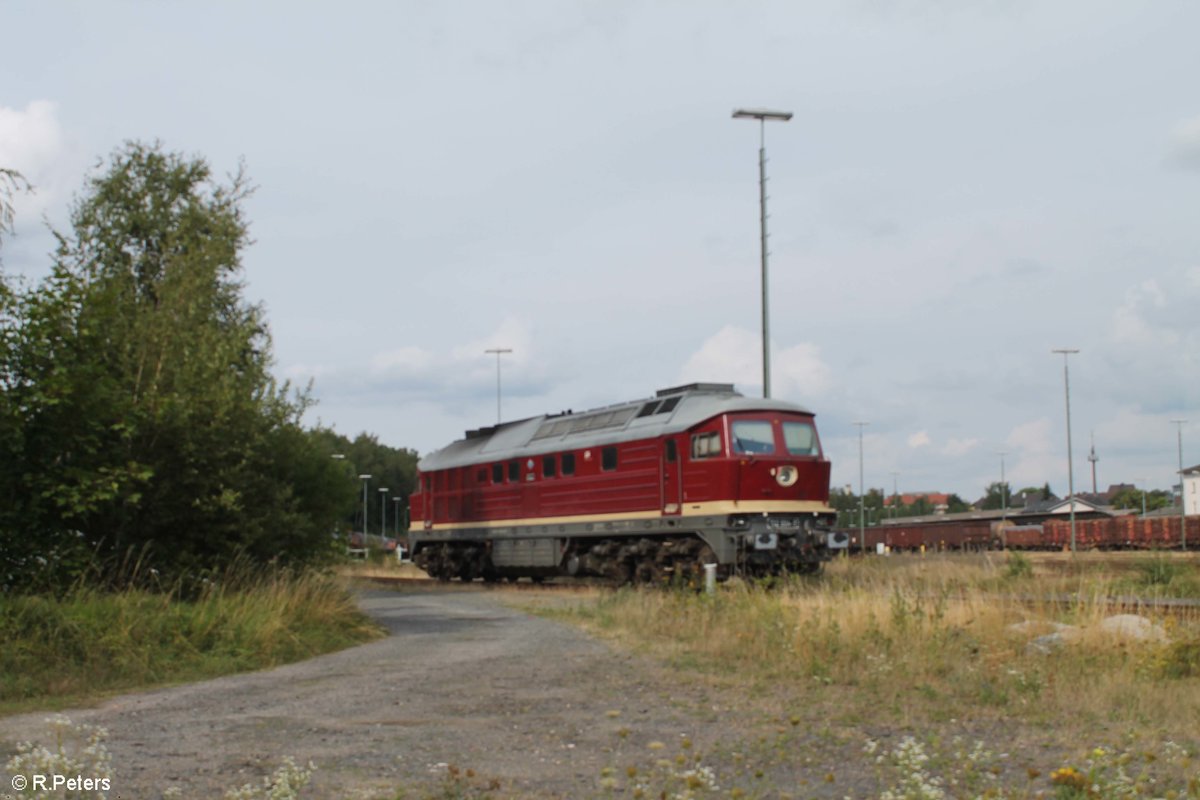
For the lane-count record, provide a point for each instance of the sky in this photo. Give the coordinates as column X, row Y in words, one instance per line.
column 963, row 188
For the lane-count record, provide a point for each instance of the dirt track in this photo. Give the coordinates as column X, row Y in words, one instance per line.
column 533, row 707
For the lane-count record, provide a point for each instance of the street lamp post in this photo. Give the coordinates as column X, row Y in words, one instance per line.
column 396, row 515
column 383, row 512
column 1003, row 491
column 498, row 351
column 862, row 524
column 364, row 478
column 1066, row 353
column 762, row 115
column 1182, row 501
column 895, row 494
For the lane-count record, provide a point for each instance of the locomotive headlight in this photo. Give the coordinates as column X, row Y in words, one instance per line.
column 787, row 475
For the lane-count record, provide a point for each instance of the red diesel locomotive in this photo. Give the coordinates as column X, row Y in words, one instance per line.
column 643, row 492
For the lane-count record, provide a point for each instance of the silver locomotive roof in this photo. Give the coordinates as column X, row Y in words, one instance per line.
column 669, row 411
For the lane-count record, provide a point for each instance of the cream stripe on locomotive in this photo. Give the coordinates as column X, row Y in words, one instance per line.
column 689, row 510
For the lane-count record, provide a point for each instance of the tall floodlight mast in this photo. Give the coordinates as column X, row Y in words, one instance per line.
column 1182, row 500
column 499, row 351
column 1066, row 353
column 762, row 115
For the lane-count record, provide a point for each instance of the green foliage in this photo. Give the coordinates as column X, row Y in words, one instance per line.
column 391, row 467
column 139, row 413
column 90, row 641
column 998, row 495
column 1159, row 571
column 11, row 182
column 847, row 505
column 956, row 505
column 1132, row 497
column 1017, row 566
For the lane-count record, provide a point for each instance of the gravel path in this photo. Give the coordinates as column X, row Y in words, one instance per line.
column 531, row 706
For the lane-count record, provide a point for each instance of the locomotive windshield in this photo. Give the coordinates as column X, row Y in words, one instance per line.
column 753, row 436
column 800, row 438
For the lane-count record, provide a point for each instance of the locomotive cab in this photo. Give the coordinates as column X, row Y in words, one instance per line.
column 765, row 472
column 751, row 457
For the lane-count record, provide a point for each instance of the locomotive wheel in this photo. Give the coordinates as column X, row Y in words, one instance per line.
column 621, row 573
column 648, row 573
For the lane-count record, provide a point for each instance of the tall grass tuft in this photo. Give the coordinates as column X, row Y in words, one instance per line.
column 92, row 642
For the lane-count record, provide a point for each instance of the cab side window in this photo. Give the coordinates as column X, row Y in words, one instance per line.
column 706, row 445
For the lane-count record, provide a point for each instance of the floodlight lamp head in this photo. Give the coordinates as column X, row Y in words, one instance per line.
column 761, row 114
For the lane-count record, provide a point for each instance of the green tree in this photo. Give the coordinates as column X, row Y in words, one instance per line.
column 1131, row 498
column 956, row 505
column 149, row 419
column 997, row 496
column 394, row 468
column 11, row 183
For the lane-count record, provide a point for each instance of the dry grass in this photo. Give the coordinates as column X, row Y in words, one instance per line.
column 911, row 640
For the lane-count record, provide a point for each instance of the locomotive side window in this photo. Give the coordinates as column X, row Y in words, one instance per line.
column 514, row 471
column 568, row 464
column 608, row 459
column 548, row 466
column 800, row 438
column 706, row 445
column 497, row 473
column 753, row 436
column 481, row 475
column 669, row 451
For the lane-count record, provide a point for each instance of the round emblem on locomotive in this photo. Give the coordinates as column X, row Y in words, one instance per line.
column 787, row 475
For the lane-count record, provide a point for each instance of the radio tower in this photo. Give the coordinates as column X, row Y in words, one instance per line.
column 1092, row 457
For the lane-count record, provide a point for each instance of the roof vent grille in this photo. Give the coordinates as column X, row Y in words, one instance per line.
column 711, row 388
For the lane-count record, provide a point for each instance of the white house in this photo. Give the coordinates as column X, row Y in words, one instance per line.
column 1190, row 484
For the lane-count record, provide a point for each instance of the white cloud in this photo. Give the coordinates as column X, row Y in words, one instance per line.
column 919, row 439
column 29, row 139
column 512, row 334
column 1130, row 325
column 734, row 355
column 1035, row 457
column 1131, row 428
column 303, row 373
column 799, row 372
column 1184, row 149
column 959, row 447
column 403, row 359
column 32, row 142
column 1031, row 437
column 461, row 364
